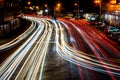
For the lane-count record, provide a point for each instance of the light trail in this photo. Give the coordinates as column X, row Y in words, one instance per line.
column 30, row 56
column 87, row 61
column 27, row 62
column 18, row 39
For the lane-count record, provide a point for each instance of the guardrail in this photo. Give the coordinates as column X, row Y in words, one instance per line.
column 10, row 26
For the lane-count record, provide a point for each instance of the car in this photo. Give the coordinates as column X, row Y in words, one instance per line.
column 110, row 29
column 91, row 22
column 118, row 39
column 115, row 34
column 100, row 25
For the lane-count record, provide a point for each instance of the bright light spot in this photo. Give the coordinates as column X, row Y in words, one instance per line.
column 28, row 2
column 46, row 10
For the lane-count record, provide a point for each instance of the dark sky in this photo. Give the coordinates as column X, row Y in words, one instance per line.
column 68, row 5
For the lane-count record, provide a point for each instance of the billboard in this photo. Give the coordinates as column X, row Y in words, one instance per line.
column 117, row 1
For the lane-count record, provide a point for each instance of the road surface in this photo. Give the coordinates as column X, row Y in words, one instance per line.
column 61, row 50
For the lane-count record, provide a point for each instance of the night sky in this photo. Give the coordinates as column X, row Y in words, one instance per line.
column 68, row 5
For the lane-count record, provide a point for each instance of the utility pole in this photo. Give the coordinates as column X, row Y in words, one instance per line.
column 100, row 10
column 78, row 11
column 78, row 8
column 99, row 2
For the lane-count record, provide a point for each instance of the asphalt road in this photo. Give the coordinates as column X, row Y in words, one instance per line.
column 56, row 68
column 61, row 50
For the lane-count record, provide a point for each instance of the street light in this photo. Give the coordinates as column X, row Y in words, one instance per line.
column 77, row 4
column 98, row 2
column 46, row 9
column 28, row 2
column 46, row 5
column 57, row 7
column 37, row 7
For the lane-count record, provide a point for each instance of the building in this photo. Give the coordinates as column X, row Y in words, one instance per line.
column 112, row 18
column 9, row 12
column 9, row 9
column 1, row 11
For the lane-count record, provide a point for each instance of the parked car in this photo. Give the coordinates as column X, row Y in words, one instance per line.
column 115, row 34
column 98, row 23
column 91, row 22
column 118, row 39
column 101, row 25
column 110, row 29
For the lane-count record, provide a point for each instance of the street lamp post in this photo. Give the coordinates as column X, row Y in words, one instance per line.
column 78, row 11
column 100, row 11
column 57, row 8
column 28, row 2
column 77, row 4
column 45, row 5
column 46, row 9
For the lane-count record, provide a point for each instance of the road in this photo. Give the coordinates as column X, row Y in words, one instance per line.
column 61, row 50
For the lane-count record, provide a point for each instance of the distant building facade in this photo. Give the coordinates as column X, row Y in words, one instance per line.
column 9, row 12
column 112, row 18
column 9, row 9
